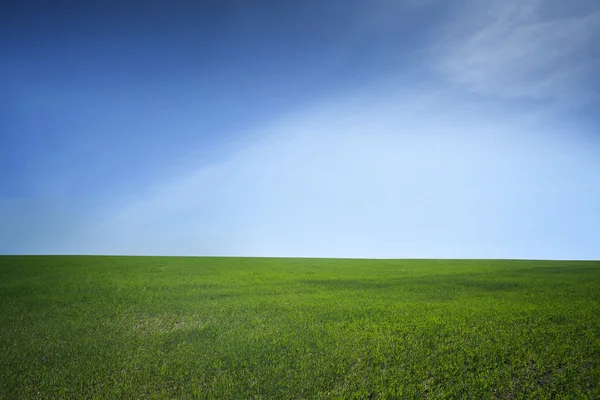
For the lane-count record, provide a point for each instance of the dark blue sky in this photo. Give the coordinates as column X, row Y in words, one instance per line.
column 105, row 105
column 82, row 79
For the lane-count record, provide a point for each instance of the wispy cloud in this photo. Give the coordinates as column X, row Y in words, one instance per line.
column 522, row 48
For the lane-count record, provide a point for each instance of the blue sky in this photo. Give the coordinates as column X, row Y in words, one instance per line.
column 384, row 129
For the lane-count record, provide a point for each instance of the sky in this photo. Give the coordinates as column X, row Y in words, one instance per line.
column 353, row 129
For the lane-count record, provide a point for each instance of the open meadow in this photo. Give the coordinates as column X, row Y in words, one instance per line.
column 267, row 328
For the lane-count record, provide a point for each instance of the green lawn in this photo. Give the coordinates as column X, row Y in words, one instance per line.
column 241, row 328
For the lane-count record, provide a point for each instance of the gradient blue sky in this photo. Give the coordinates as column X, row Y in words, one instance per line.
column 384, row 129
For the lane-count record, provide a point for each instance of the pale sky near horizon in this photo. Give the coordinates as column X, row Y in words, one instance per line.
column 372, row 129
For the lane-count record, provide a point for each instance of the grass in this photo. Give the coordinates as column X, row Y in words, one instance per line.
column 242, row 328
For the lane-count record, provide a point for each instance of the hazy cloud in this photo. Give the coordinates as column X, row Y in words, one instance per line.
column 400, row 177
column 523, row 48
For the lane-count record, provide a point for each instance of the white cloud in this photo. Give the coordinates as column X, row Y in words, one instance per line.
column 522, row 48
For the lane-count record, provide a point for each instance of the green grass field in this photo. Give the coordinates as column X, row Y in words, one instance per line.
column 242, row 328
